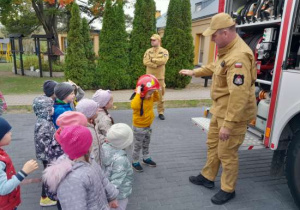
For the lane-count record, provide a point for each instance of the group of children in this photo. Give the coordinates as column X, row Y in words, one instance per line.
column 84, row 153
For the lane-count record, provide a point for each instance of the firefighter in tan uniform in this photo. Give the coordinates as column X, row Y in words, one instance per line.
column 155, row 60
column 234, row 105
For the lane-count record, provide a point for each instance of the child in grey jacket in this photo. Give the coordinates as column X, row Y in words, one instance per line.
column 78, row 180
column 43, row 136
column 116, row 163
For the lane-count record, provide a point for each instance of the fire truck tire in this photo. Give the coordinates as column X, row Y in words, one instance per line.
column 293, row 168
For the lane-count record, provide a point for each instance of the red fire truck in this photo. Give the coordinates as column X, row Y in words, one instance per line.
column 271, row 28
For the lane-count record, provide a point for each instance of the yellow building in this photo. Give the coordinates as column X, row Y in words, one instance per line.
column 202, row 11
column 63, row 41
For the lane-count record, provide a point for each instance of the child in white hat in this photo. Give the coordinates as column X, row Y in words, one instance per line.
column 115, row 162
column 104, row 121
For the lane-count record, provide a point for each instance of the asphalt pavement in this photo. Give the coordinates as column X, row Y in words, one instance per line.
column 179, row 149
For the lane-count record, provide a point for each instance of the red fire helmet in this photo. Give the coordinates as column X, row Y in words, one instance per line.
column 147, row 82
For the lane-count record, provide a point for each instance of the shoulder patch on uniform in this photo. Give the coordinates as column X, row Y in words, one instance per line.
column 238, row 79
column 238, row 65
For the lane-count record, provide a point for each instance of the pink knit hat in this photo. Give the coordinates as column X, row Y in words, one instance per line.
column 75, row 141
column 69, row 118
column 102, row 97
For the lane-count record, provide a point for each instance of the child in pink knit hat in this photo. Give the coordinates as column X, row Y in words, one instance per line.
column 78, row 180
column 54, row 151
column 104, row 121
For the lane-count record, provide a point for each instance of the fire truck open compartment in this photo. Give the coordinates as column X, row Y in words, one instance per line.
column 261, row 33
column 293, row 56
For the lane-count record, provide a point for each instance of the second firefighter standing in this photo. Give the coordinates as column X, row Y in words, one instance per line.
column 155, row 60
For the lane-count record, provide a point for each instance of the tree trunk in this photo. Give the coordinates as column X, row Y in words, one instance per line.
column 49, row 22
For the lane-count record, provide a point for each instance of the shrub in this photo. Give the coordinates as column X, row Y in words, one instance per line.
column 33, row 60
column 144, row 25
column 113, row 60
column 76, row 62
column 179, row 42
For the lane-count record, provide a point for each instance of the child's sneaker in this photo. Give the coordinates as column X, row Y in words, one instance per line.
column 137, row 167
column 149, row 162
column 47, row 202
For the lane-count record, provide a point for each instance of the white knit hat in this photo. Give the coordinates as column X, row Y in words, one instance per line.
column 120, row 135
column 87, row 107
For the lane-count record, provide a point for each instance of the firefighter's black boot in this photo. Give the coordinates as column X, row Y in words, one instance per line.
column 201, row 180
column 222, row 197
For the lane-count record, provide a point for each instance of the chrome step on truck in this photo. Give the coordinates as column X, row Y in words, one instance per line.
column 252, row 141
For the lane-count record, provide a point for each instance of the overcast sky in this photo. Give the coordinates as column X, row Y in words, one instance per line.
column 161, row 5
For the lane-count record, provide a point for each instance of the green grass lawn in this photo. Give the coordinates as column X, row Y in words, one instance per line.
column 6, row 67
column 126, row 105
column 17, row 84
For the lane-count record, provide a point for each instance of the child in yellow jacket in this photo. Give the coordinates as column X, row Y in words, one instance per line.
column 143, row 116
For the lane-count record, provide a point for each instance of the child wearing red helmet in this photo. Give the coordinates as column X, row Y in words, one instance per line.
column 143, row 115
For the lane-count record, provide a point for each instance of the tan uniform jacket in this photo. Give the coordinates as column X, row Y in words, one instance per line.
column 155, row 60
column 233, row 83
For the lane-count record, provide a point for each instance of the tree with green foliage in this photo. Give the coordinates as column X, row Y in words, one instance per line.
column 144, row 25
column 76, row 61
column 189, row 40
column 18, row 18
column 179, row 42
column 89, row 54
column 113, row 60
column 24, row 16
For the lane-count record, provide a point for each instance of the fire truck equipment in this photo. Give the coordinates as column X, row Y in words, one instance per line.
column 262, row 114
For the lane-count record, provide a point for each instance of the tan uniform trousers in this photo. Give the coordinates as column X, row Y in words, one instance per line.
column 224, row 153
column 160, row 103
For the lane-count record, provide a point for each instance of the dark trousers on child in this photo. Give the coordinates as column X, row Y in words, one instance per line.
column 44, row 195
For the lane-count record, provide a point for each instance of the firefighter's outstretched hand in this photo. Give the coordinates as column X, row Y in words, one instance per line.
column 186, row 72
column 224, row 133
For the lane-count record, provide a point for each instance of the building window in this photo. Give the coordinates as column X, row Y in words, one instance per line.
column 198, row 6
column 64, row 44
column 202, row 4
column 201, row 49
column 92, row 43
